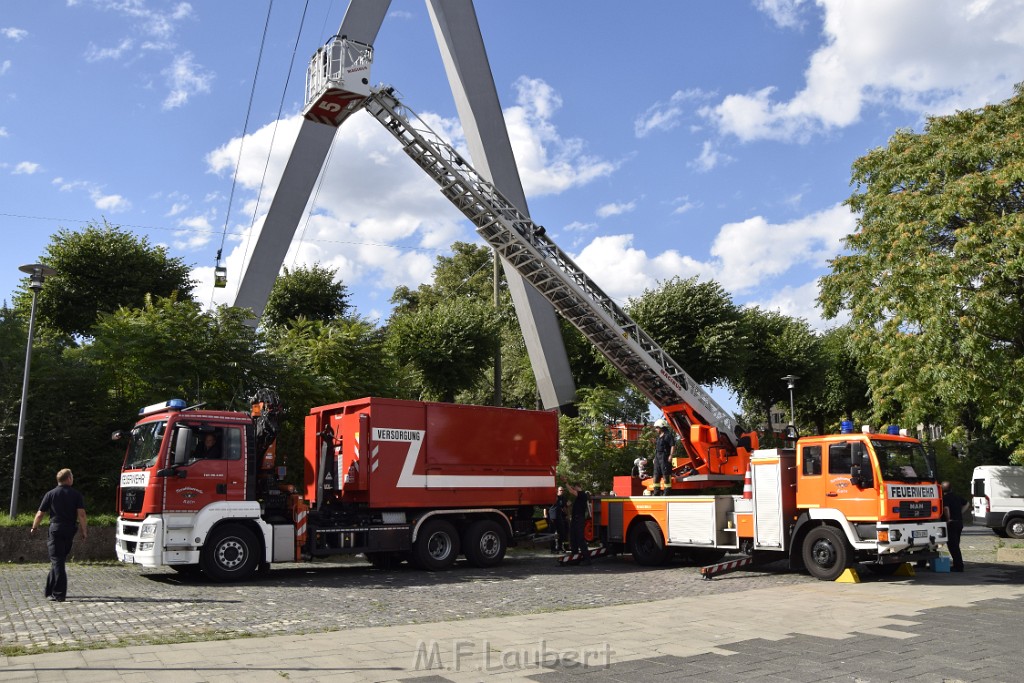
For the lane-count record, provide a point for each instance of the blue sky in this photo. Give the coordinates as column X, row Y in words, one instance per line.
column 654, row 139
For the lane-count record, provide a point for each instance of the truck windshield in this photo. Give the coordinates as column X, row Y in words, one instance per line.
column 144, row 446
column 903, row 461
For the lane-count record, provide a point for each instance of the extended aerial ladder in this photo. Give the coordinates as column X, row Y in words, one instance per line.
column 716, row 450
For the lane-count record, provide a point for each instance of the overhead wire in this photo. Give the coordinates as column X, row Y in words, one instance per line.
column 245, row 132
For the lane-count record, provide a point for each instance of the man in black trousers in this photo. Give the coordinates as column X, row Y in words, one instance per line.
column 67, row 508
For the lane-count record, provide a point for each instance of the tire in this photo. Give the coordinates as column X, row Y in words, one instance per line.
column 231, row 553
column 437, row 545
column 825, row 553
column 1015, row 527
column 485, row 543
column 647, row 544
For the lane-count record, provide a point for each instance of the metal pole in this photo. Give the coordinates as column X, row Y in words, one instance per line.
column 38, row 273
column 790, row 381
column 497, row 351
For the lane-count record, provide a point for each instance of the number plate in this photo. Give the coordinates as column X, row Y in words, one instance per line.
column 920, row 533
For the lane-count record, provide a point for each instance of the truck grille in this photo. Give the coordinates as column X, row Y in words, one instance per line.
column 132, row 499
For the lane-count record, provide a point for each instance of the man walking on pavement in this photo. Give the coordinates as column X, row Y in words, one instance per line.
column 67, row 508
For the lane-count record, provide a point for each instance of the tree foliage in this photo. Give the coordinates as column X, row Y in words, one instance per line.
column 779, row 346
column 311, row 293
column 934, row 277
column 697, row 324
column 100, row 269
column 170, row 348
column 449, row 345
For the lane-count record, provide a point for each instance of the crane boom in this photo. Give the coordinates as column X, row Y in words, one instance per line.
column 525, row 245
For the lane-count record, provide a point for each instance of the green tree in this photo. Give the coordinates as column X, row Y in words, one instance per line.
column 449, row 345
column 779, row 346
column 934, row 277
column 100, row 269
column 467, row 274
column 839, row 388
column 310, row 293
column 174, row 349
column 697, row 324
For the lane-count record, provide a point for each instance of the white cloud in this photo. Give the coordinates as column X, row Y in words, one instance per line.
column 753, row 250
column 97, row 54
column 743, row 256
column 5, row 66
column 185, row 79
column 785, row 13
column 798, row 302
column 663, row 116
column 683, row 204
column 200, row 231
column 615, row 209
column 113, row 203
column 925, row 56
column 15, row 34
column 623, row 271
column 709, row 158
column 26, row 168
column 3, row 132
column 548, row 163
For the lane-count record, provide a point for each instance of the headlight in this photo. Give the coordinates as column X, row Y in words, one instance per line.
column 148, row 530
column 145, row 546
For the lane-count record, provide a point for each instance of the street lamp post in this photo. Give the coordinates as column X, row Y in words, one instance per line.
column 37, row 275
column 791, row 382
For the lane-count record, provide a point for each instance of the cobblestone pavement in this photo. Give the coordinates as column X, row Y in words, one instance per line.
column 119, row 605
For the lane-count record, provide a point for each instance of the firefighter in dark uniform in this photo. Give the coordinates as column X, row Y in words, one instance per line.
column 663, row 449
column 67, row 509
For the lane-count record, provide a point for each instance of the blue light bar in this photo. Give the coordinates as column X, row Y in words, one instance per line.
column 846, row 427
column 894, row 430
column 173, row 404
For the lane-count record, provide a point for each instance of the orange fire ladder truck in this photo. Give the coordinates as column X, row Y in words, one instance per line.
column 826, row 504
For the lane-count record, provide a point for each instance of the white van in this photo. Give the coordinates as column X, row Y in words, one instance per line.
column 999, row 499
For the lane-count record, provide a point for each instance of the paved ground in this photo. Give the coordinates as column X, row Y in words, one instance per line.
column 351, row 623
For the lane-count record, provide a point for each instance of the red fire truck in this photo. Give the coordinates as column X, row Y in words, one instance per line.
column 394, row 480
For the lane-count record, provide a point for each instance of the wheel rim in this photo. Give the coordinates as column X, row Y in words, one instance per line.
column 230, row 553
column 1016, row 528
column 490, row 544
column 823, row 553
column 439, row 546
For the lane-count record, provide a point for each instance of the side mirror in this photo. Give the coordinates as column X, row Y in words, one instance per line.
column 119, row 434
column 182, row 441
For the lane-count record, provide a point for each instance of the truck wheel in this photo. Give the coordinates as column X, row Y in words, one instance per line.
column 825, row 553
column 231, row 553
column 647, row 544
column 1015, row 527
column 437, row 545
column 484, row 543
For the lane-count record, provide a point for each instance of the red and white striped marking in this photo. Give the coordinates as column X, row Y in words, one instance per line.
column 748, row 491
column 578, row 557
column 725, row 567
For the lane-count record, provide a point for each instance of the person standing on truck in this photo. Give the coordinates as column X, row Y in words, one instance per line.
column 558, row 516
column 580, row 513
column 67, row 508
column 664, row 447
column 953, row 508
